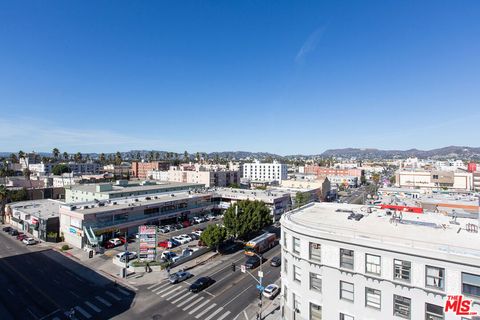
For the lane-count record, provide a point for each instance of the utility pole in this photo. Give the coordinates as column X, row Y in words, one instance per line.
column 126, row 254
column 259, row 286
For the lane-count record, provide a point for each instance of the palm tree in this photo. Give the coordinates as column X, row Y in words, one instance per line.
column 186, row 158
column 78, row 157
column 55, row 153
column 197, row 157
column 102, row 158
column 21, row 154
column 118, row 158
column 65, row 156
column 4, row 198
column 157, row 155
column 151, row 155
column 13, row 158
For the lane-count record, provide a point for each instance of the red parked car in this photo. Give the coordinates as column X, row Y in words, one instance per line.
column 122, row 238
column 186, row 224
column 108, row 245
column 22, row 236
column 163, row 244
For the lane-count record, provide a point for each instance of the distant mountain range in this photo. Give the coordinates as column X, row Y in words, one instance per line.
column 450, row 152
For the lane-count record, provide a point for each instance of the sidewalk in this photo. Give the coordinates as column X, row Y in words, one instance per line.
column 270, row 310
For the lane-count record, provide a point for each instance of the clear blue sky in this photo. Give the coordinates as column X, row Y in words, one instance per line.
column 279, row 76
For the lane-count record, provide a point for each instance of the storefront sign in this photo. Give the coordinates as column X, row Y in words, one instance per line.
column 148, row 242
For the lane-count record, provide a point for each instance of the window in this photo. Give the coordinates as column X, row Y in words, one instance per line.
column 285, row 293
column 344, row 316
column 296, row 273
column 346, row 259
column 296, row 245
column 471, row 284
column 434, row 277
column 401, row 306
column 315, row 312
column 285, row 240
column 296, row 304
column 401, row 270
column 433, row 312
column 346, row 290
column 373, row 298
column 372, row 264
column 285, row 265
column 315, row 252
column 315, row 282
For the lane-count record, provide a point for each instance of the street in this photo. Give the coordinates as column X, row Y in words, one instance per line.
column 226, row 299
column 40, row 283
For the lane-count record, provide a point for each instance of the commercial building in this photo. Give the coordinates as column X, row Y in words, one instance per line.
column 377, row 264
column 324, row 171
column 140, row 169
column 45, row 169
column 279, row 202
column 207, row 175
column 266, row 172
column 121, row 170
column 39, row 218
column 347, row 181
column 122, row 189
column 321, row 186
column 435, row 179
column 90, row 223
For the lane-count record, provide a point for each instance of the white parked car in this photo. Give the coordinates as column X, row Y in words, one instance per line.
column 198, row 232
column 169, row 255
column 115, row 241
column 271, row 291
column 180, row 239
column 197, row 220
column 126, row 255
column 211, row 217
column 29, row 241
column 186, row 236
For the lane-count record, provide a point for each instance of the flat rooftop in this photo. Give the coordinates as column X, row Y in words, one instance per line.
column 45, row 208
column 134, row 187
column 241, row 194
column 94, row 207
column 426, row 232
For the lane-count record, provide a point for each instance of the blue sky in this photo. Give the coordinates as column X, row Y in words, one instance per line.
column 280, row 76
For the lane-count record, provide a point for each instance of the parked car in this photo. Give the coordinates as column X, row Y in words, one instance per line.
column 116, row 242
column 180, row 239
column 126, row 256
column 211, row 217
column 7, row 229
column 21, row 236
column 179, row 277
column 271, row 291
column 178, row 226
column 194, row 236
column 164, row 244
column 198, row 232
column 186, row 224
column 200, row 284
column 164, row 230
column 29, row 241
column 13, row 232
column 122, row 239
column 186, row 236
column 253, row 262
column 169, row 256
column 276, row 261
column 108, row 245
column 197, row 220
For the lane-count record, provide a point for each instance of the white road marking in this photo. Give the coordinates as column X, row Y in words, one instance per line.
column 185, row 301
column 113, row 295
column 237, row 295
column 105, row 302
column 175, row 295
column 74, row 294
column 163, row 290
column 192, row 304
column 224, row 315
column 245, row 314
column 161, row 287
column 83, row 312
column 198, row 307
column 124, row 292
column 11, row 292
column 94, row 307
column 170, row 292
column 51, row 313
column 33, row 314
column 213, row 314
column 205, row 311
column 154, row 285
column 181, row 298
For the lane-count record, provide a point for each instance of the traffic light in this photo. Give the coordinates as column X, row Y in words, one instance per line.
column 90, row 254
column 234, row 267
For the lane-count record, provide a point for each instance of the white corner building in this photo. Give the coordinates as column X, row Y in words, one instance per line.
column 383, row 266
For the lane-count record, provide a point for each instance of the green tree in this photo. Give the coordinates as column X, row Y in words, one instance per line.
column 157, row 155
column 151, row 156
column 4, row 199
column 376, row 178
column 19, row 195
column 55, row 153
column 197, row 157
column 186, row 156
column 13, row 158
column 78, row 157
column 393, row 179
column 301, row 199
column 213, row 236
column 118, row 158
column 65, row 156
column 21, row 154
column 102, row 158
column 60, row 169
column 246, row 217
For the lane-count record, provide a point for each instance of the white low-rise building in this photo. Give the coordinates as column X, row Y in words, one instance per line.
column 435, row 179
column 376, row 265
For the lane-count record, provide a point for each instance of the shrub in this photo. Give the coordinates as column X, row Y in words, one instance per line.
column 65, row 247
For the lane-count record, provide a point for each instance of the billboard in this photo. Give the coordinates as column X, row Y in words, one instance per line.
column 148, row 243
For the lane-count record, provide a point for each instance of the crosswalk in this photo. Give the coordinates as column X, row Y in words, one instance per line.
column 196, row 305
column 90, row 308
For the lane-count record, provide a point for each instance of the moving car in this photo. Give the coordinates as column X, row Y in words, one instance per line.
column 271, row 291
column 276, row 261
column 179, row 277
column 200, row 284
column 116, row 242
column 29, row 241
column 253, row 262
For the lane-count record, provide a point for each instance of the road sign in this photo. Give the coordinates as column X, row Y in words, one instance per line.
column 243, row 269
column 261, row 288
column 260, row 274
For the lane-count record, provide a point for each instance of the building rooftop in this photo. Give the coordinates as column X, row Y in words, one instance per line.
column 45, row 208
column 267, row 196
column 133, row 187
column 94, row 207
column 426, row 233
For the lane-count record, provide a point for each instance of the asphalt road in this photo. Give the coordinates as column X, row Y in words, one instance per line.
column 39, row 283
column 226, row 299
